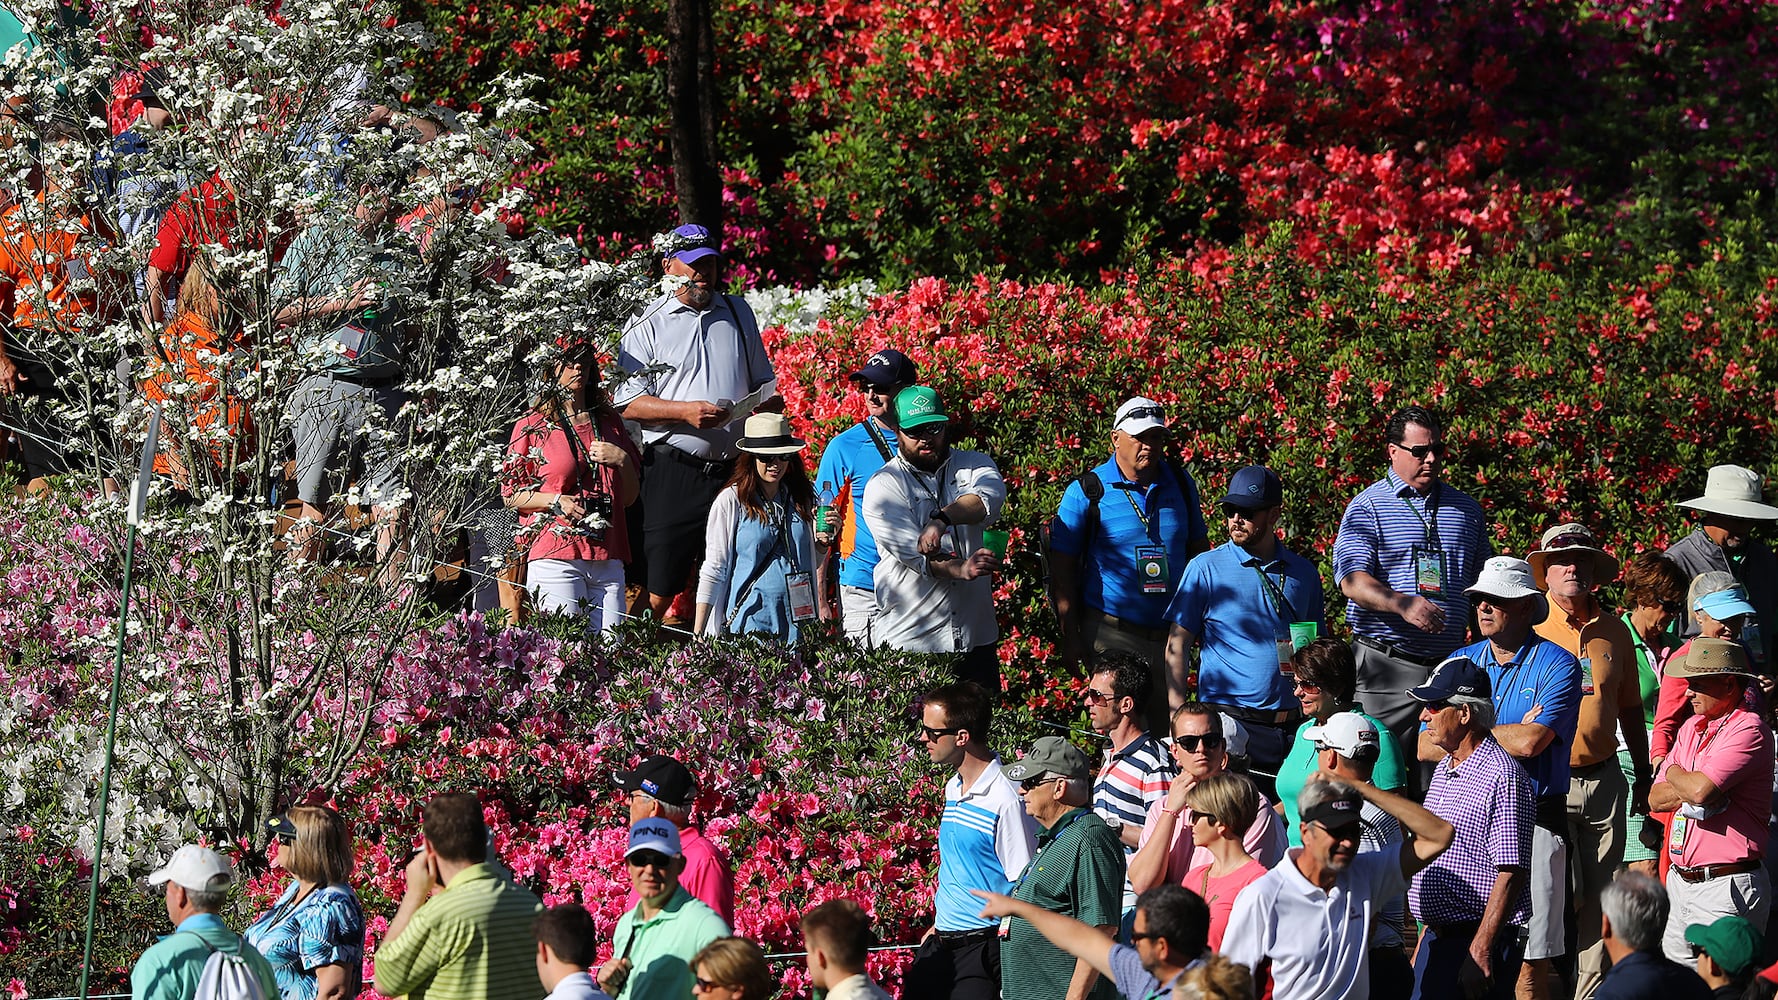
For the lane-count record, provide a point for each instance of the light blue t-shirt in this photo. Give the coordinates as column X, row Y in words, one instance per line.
column 1237, row 616
column 846, row 465
column 1109, row 579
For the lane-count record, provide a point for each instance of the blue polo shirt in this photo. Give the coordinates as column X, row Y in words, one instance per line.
column 846, row 465
column 1540, row 673
column 1108, row 578
column 1236, row 617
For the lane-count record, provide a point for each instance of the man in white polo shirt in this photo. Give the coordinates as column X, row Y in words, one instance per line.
column 1307, row 923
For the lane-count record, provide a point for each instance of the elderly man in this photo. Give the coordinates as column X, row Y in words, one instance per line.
column 984, row 841
column 1136, row 771
column 1241, row 602
column 474, row 935
column 927, row 509
column 1170, row 935
column 691, row 354
column 197, row 881
column 1733, row 504
column 1718, row 782
column 661, row 786
column 1408, row 546
column 850, row 459
column 655, row 942
column 1536, row 686
column 1348, row 746
column 1119, row 543
column 1201, row 746
column 1568, row 566
column 1473, row 899
column 1078, row 871
column 1635, row 911
column 1307, row 923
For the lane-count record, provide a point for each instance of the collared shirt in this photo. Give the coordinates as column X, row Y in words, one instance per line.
column 1647, row 975
column 985, row 839
column 1130, row 780
column 847, row 464
column 324, row 262
column 1735, row 753
column 468, row 939
column 1078, row 871
column 1757, row 567
column 1608, row 678
column 577, row 986
column 1542, row 674
column 1318, row 940
column 1229, row 600
column 1487, row 799
column 1378, row 534
column 660, row 948
column 1382, row 832
column 326, row 928
column 1389, row 773
column 1135, row 982
column 916, row 610
column 171, row 967
column 706, row 875
column 858, row 987
column 1264, row 840
column 1167, row 513
column 712, row 355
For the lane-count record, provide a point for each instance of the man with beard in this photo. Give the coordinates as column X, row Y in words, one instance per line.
column 1731, row 507
column 927, row 508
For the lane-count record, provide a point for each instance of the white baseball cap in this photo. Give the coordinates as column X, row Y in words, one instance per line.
column 1348, row 734
column 196, row 868
column 1139, row 415
column 654, row 834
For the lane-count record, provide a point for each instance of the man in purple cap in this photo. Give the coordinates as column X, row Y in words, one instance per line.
column 691, row 354
column 1473, row 898
column 1118, row 545
column 1244, row 604
column 662, row 787
column 851, row 458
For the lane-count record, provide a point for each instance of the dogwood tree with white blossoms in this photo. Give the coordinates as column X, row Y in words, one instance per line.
column 253, row 128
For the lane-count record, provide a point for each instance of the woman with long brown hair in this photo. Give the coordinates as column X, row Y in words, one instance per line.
column 759, row 550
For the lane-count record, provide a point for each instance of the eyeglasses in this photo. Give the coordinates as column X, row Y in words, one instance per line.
column 935, row 733
column 649, row 859
column 1696, row 949
column 1672, row 607
column 1420, row 451
column 931, row 430
column 1350, row 831
column 1573, row 539
column 702, row 985
column 1190, row 744
column 878, row 390
column 772, row 459
column 1096, row 695
column 1438, row 706
column 1234, row 513
column 1144, row 936
column 1031, row 783
column 1209, row 818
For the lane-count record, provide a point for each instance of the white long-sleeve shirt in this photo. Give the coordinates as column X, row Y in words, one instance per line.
column 917, row 611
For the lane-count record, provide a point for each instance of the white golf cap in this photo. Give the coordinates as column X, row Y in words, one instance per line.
column 196, row 868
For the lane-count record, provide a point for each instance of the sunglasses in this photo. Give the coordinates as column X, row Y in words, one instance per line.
column 1031, row 783
column 649, row 859
column 772, row 459
column 703, row 985
column 1437, row 706
column 932, row 430
column 1144, row 412
column 879, row 390
column 935, row 733
column 1190, row 744
column 1234, row 513
column 286, row 839
column 1306, row 686
column 1420, row 451
column 1209, row 818
column 1573, row 539
column 1350, row 831
column 1095, row 695
column 1672, row 607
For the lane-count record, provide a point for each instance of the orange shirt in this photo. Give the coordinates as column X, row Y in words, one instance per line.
column 1608, row 655
column 41, row 270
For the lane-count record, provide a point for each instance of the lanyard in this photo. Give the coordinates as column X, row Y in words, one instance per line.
column 1281, row 605
column 778, row 513
column 1149, row 529
column 1428, row 520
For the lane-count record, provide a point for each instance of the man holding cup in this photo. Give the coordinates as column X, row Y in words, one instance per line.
column 1247, row 605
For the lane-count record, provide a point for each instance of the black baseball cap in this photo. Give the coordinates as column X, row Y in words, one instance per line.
column 661, row 777
column 888, row 367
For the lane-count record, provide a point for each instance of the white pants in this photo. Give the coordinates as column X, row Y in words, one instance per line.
column 1549, row 869
column 1747, row 894
column 858, row 606
column 593, row 588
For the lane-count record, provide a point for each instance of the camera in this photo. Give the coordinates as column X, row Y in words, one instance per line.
column 598, row 518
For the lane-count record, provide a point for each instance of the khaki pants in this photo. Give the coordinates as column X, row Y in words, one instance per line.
column 1748, row 894
column 1102, row 637
column 1598, row 799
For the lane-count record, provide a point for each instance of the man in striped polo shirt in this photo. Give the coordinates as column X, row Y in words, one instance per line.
column 1137, row 770
column 470, row 941
column 984, row 841
column 1408, row 547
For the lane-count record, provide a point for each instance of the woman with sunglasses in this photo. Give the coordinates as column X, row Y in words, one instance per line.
column 1222, row 810
column 1326, row 684
column 1721, row 609
column 313, row 936
column 1654, row 591
column 732, row 968
column 759, row 549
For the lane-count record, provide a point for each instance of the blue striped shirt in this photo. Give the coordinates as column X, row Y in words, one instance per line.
column 1378, row 534
column 985, row 840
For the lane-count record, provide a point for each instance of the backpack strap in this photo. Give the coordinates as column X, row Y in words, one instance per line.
column 1094, row 489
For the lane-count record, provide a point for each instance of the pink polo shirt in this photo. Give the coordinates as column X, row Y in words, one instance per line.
column 1735, row 753
column 1265, row 840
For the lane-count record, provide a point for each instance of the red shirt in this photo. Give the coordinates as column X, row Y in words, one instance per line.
column 542, row 459
column 204, row 214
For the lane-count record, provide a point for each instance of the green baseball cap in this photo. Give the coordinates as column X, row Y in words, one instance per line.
column 1731, row 942
column 1051, row 755
column 917, row 406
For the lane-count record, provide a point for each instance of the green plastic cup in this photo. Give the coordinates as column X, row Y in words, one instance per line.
column 1302, row 633
column 994, row 540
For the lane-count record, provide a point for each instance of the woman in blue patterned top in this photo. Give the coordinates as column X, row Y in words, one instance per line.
column 313, row 936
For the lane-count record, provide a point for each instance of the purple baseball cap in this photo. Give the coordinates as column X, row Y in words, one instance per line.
column 698, row 251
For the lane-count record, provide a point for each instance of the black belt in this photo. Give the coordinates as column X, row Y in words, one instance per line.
column 711, row 468
column 1262, row 716
column 1704, row 873
column 1397, row 653
column 365, row 383
column 965, row 937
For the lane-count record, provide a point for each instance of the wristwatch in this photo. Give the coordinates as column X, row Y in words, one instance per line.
column 940, row 515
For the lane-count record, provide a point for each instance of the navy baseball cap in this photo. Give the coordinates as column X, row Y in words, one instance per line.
column 1458, row 676
column 888, row 367
column 698, row 250
column 1255, row 488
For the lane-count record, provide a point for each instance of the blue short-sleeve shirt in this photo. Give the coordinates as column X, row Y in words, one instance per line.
column 1237, row 618
column 1544, row 674
column 847, row 463
column 1108, row 572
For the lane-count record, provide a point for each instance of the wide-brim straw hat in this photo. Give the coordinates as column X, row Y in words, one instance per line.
column 1567, row 540
column 769, row 434
column 1733, row 491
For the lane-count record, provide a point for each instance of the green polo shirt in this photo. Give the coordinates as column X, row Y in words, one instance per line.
column 471, row 941
column 1078, row 871
column 171, row 968
column 660, row 949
